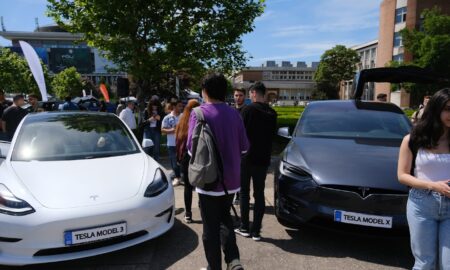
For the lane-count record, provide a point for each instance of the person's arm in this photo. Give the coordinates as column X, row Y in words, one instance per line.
column 165, row 129
column 168, row 130
column 243, row 139
column 3, row 126
column 122, row 115
column 405, row 177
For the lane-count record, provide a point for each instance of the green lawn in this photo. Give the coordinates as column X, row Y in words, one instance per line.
column 288, row 116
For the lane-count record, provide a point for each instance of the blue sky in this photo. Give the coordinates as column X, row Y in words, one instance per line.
column 291, row 30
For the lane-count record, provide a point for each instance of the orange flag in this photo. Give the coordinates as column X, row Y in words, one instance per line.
column 104, row 92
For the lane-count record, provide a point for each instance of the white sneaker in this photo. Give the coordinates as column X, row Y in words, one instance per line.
column 235, row 265
column 176, row 182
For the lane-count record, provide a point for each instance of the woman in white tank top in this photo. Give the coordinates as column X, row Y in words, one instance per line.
column 424, row 165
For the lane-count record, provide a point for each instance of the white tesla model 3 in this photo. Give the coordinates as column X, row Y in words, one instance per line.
column 74, row 185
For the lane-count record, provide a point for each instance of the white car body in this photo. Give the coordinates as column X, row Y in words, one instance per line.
column 72, row 195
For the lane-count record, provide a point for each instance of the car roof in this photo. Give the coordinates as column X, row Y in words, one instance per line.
column 357, row 105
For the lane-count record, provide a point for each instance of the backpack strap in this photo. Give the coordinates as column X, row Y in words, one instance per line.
column 199, row 114
column 414, row 151
column 201, row 119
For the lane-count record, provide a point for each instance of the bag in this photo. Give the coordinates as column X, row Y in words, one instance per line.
column 205, row 167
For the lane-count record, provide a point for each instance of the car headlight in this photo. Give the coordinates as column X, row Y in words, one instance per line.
column 11, row 205
column 294, row 172
column 158, row 186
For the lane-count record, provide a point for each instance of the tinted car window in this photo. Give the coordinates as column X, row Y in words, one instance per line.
column 352, row 123
column 72, row 136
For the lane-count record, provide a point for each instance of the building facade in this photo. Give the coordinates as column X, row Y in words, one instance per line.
column 59, row 50
column 287, row 84
column 368, row 55
column 396, row 15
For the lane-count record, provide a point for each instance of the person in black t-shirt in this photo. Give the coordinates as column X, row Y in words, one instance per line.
column 260, row 122
column 12, row 116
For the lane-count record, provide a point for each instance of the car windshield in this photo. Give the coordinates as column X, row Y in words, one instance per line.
column 72, row 136
column 352, row 123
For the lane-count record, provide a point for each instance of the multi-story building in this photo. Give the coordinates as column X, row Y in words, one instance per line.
column 284, row 83
column 368, row 55
column 59, row 49
column 396, row 15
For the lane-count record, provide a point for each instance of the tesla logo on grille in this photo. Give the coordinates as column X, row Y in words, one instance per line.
column 94, row 197
column 364, row 191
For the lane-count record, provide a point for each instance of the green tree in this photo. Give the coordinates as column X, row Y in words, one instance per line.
column 336, row 65
column 152, row 40
column 67, row 83
column 430, row 48
column 16, row 76
column 430, row 45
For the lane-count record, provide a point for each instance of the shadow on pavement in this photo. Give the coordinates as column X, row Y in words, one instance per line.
column 318, row 242
column 159, row 253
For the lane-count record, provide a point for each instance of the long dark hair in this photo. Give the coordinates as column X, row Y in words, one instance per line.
column 429, row 129
column 156, row 103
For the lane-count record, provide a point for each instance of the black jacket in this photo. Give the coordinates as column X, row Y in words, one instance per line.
column 260, row 122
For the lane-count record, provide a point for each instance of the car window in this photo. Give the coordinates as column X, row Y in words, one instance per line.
column 353, row 123
column 73, row 136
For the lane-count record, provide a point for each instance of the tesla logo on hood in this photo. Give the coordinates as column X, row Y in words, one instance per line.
column 94, row 197
column 364, row 191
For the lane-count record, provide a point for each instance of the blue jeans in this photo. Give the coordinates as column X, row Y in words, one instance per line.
column 155, row 135
column 173, row 161
column 429, row 223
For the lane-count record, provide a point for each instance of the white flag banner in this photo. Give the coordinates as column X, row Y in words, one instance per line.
column 35, row 66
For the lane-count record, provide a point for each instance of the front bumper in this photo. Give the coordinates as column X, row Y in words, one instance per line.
column 306, row 202
column 39, row 237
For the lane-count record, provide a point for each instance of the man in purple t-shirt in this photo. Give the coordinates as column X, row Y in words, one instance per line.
column 231, row 138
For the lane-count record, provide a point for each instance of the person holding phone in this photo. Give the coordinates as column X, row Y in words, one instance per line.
column 424, row 165
column 152, row 126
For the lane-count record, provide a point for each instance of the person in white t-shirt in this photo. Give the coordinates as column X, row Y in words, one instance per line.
column 168, row 126
column 127, row 115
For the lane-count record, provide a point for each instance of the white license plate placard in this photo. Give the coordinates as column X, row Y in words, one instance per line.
column 362, row 219
column 94, row 234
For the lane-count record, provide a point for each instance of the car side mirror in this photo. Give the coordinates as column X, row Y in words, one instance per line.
column 146, row 143
column 284, row 132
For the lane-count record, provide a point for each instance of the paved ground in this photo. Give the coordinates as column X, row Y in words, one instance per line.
column 280, row 248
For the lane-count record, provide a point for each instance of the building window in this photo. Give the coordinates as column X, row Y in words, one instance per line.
column 398, row 42
column 398, row 57
column 400, row 15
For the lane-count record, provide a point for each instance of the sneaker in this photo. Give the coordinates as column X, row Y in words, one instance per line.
column 256, row 236
column 188, row 217
column 176, row 182
column 235, row 265
column 242, row 232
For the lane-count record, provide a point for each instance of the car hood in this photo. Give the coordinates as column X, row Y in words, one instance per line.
column 79, row 183
column 368, row 163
